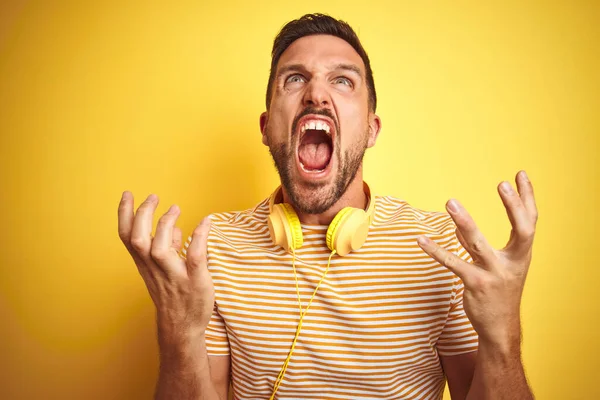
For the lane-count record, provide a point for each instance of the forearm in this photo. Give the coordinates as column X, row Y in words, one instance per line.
column 184, row 369
column 499, row 373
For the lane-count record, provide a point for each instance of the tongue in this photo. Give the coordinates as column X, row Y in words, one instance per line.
column 315, row 156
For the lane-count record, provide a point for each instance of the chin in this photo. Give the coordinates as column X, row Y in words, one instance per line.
column 312, row 197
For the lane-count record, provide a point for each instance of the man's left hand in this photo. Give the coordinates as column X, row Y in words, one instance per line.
column 495, row 279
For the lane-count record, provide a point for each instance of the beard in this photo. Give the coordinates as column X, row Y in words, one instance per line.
column 321, row 197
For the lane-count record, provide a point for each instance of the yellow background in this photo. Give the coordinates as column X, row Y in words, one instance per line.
column 97, row 98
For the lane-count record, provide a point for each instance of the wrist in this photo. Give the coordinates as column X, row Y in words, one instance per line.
column 503, row 336
column 502, row 348
column 177, row 335
column 179, row 347
column 171, row 324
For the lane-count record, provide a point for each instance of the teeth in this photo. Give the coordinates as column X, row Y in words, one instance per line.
column 318, row 125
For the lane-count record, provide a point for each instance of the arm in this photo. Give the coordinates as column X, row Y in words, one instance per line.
column 499, row 373
column 486, row 374
column 493, row 286
column 187, row 372
column 459, row 371
column 183, row 293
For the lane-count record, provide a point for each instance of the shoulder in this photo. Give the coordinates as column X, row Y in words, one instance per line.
column 258, row 213
column 399, row 223
column 394, row 213
column 240, row 226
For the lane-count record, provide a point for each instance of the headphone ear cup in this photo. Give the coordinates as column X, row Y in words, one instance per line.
column 348, row 231
column 333, row 229
column 294, row 225
column 284, row 227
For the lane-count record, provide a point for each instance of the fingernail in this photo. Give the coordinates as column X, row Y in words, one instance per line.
column 506, row 188
column 205, row 221
column 453, row 206
column 525, row 175
column 152, row 197
column 423, row 240
column 172, row 209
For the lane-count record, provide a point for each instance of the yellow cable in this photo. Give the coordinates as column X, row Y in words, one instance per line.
column 302, row 314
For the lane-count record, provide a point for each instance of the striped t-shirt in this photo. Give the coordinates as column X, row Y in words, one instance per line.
column 376, row 327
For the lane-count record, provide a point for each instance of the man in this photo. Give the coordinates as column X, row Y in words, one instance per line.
column 388, row 317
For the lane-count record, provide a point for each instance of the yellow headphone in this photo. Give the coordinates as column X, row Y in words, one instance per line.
column 347, row 232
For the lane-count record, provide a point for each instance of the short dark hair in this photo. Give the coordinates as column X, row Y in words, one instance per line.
column 319, row 24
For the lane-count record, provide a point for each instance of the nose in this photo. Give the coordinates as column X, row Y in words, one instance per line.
column 316, row 94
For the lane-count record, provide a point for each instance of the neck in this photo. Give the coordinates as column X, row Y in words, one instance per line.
column 353, row 197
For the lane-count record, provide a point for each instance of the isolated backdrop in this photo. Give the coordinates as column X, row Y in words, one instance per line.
column 100, row 97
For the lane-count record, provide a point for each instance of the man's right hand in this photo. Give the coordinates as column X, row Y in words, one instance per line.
column 181, row 289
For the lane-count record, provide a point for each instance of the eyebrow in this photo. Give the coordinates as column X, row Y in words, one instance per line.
column 299, row 67
column 349, row 67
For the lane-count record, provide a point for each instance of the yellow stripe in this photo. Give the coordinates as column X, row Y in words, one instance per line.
column 377, row 324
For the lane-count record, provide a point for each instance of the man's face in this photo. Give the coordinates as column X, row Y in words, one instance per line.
column 318, row 125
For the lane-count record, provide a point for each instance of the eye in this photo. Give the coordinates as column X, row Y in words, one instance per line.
column 296, row 78
column 342, row 80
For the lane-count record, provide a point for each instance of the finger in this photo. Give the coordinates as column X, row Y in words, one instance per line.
column 141, row 234
column 462, row 241
column 196, row 253
column 525, row 189
column 522, row 226
column 460, row 267
column 177, row 237
column 473, row 240
column 125, row 213
column 163, row 240
column 126, row 224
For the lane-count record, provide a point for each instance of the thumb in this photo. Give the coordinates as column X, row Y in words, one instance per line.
column 196, row 253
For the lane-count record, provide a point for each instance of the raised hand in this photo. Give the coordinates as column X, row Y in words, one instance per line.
column 494, row 281
column 181, row 289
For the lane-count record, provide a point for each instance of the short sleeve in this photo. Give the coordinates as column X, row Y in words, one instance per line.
column 458, row 335
column 217, row 342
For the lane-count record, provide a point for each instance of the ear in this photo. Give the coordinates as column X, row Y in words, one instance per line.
column 374, row 129
column 264, row 118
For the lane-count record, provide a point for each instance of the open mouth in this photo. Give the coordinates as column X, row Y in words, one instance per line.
column 315, row 147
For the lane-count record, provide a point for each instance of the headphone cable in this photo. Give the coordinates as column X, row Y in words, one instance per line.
column 302, row 314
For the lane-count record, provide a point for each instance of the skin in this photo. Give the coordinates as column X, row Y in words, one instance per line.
column 183, row 292
column 318, row 82
column 494, row 285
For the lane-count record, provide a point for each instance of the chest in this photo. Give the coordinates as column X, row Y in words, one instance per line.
column 370, row 317
column 360, row 301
